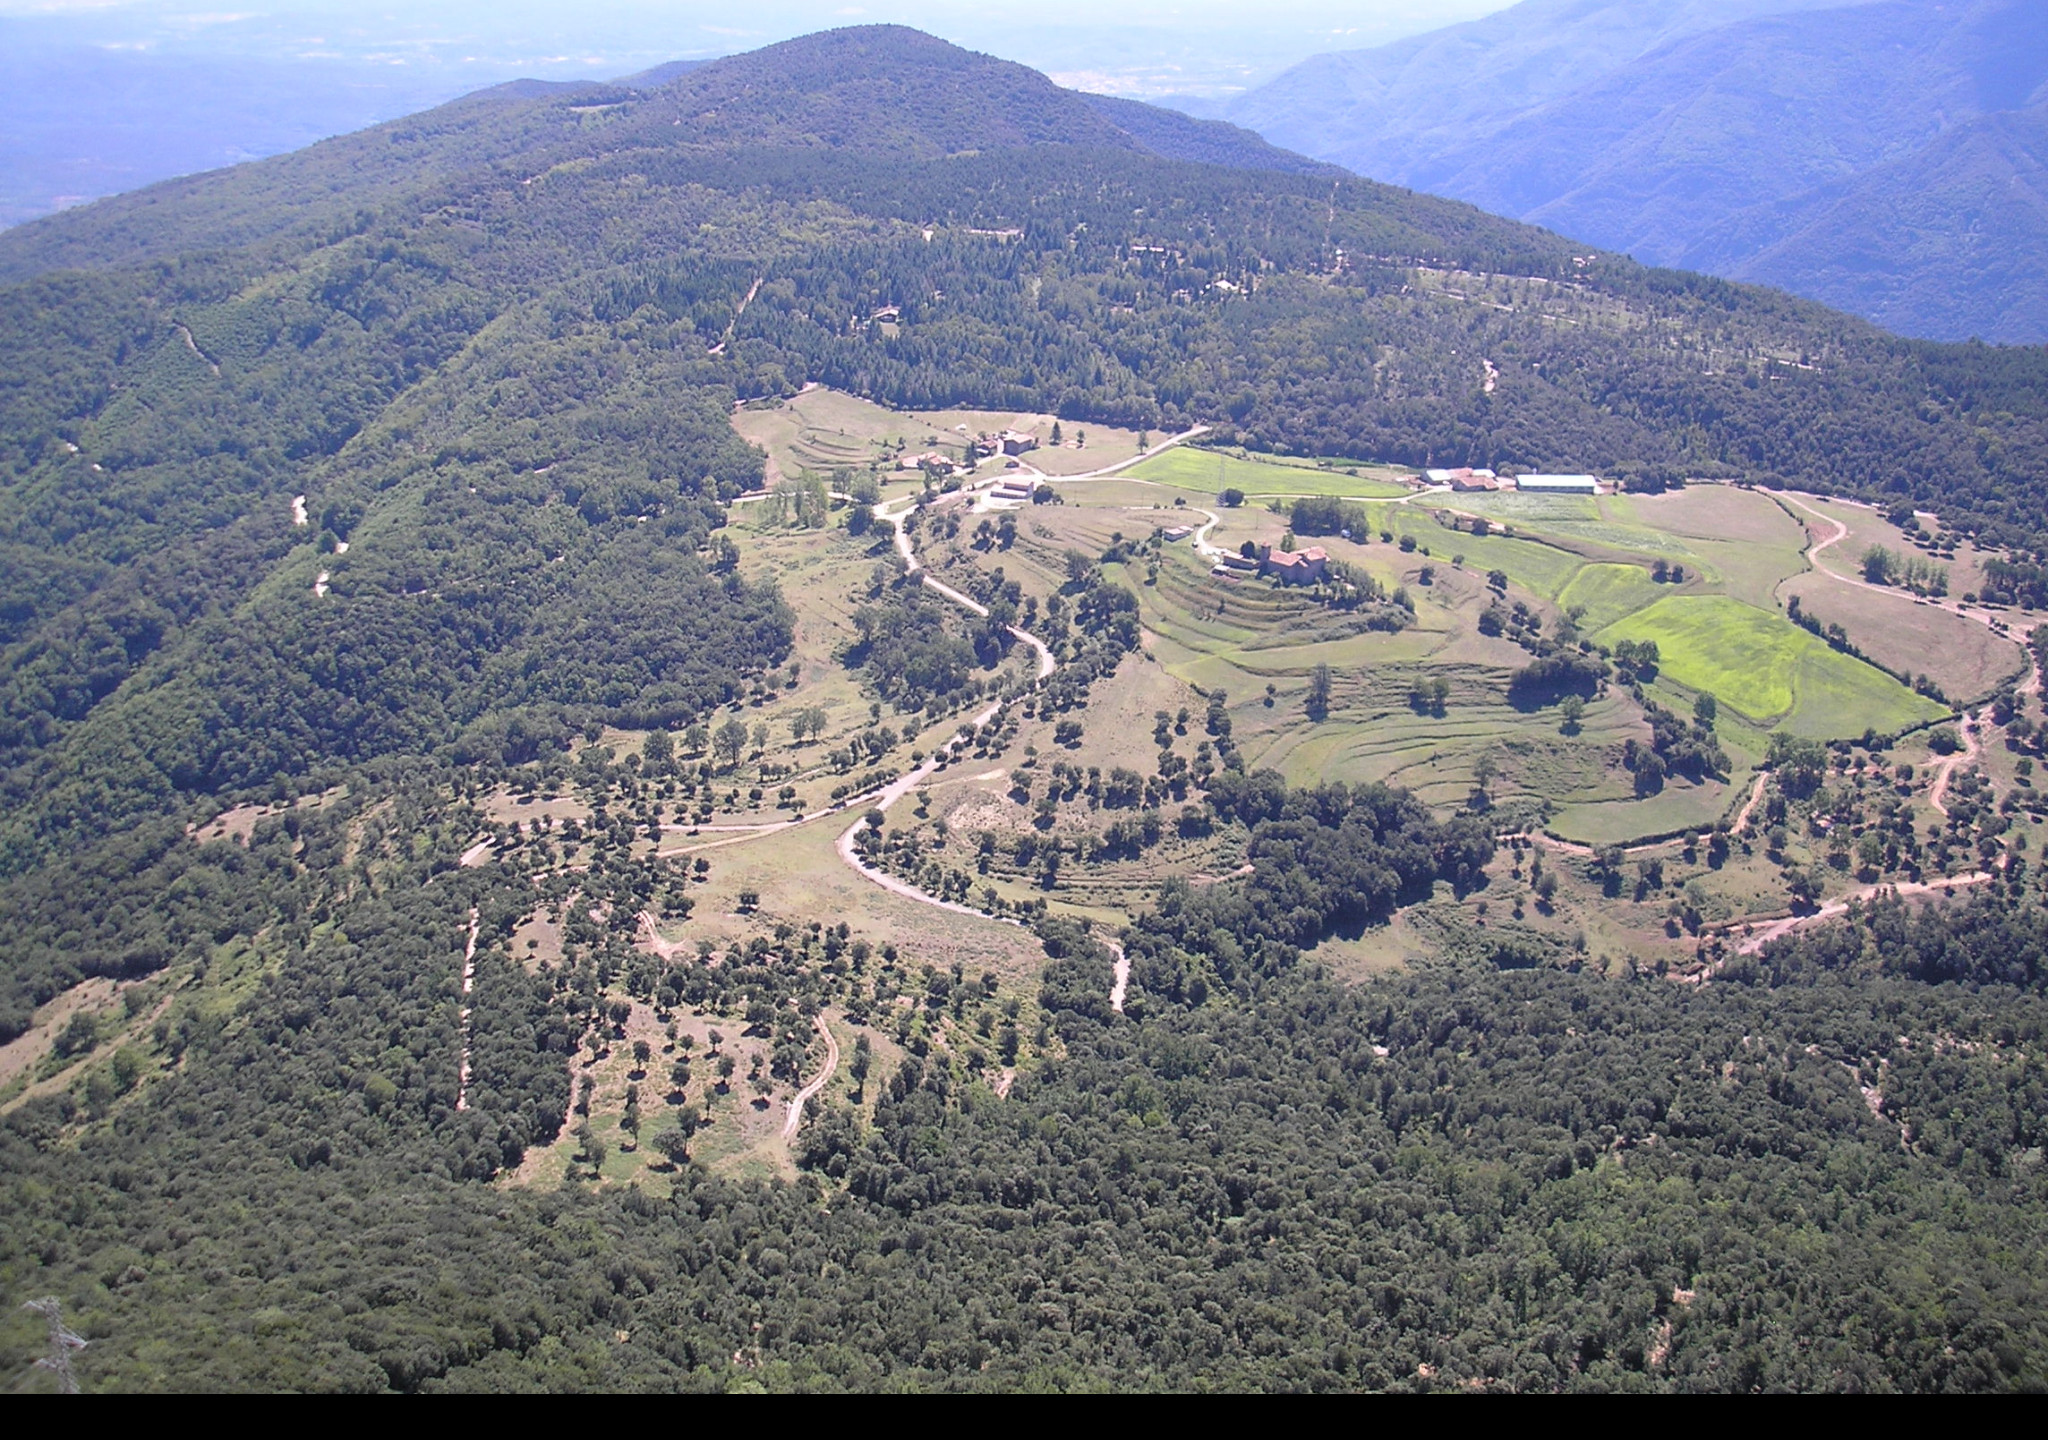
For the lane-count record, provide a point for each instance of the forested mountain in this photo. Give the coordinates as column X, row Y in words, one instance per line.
column 1383, row 107
column 1791, row 148
column 369, row 477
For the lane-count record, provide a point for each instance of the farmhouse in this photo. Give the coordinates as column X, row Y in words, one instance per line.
column 1016, row 442
column 1296, row 567
column 930, row 460
column 1560, row 484
column 1464, row 479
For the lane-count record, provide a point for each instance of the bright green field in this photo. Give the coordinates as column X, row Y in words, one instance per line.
column 1211, row 472
column 1769, row 669
column 1610, row 592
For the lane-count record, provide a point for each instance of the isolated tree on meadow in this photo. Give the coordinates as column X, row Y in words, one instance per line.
column 1319, row 692
column 730, row 742
column 808, row 722
column 1484, row 770
column 674, row 1145
column 657, row 750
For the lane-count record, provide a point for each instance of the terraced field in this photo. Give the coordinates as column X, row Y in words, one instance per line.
column 1244, row 637
column 825, row 430
column 1726, row 556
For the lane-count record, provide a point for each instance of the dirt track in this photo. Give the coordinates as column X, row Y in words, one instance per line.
column 818, row 1082
column 468, row 984
column 1779, row 928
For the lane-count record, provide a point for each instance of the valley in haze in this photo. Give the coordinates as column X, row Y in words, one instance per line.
column 843, row 720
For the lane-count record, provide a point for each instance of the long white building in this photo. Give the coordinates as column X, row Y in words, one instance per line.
column 1560, row 484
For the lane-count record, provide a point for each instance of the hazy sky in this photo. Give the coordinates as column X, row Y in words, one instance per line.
column 1135, row 47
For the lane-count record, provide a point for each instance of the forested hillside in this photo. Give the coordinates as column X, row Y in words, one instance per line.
column 1880, row 157
column 350, row 495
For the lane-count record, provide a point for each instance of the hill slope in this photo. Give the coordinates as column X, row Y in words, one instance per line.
column 1708, row 149
column 1949, row 239
column 1381, row 111
column 367, row 501
column 305, row 324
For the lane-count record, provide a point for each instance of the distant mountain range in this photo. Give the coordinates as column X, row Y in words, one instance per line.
column 1885, row 158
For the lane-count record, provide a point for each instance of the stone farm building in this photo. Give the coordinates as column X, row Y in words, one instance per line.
column 1464, row 479
column 1295, row 567
column 930, row 460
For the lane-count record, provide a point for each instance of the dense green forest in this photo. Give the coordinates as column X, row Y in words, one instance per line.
column 362, row 483
column 1820, row 1171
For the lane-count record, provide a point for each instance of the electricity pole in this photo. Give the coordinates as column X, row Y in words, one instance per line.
column 63, row 1343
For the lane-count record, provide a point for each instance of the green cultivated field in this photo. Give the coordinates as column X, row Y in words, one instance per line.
column 1211, row 472
column 1610, row 592
column 1768, row 668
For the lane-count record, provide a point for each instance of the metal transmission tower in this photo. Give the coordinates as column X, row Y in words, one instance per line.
column 63, row 1344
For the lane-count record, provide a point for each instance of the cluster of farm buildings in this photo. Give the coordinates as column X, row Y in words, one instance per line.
column 1004, row 442
column 1465, row 480
column 1289, row 567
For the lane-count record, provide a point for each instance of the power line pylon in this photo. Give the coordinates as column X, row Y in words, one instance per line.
column 63, row 1344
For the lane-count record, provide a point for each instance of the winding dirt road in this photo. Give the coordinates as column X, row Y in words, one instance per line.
column 804, row 1096
column 848, row 844
column 1937, row 793
column 468, row 984
column 1779, row 928
column 1122, row 970
column 1756, row 795
column 1106, row 471
column 2030, row 683
column 734, row 323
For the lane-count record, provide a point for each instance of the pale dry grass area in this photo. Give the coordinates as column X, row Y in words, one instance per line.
column 27, row 1050
column 822, row 430
column 239, row 823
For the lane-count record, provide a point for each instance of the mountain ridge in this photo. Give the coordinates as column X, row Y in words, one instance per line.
column 1701, row 149
column 723, row 242
column 714, row 104
column 440, row 822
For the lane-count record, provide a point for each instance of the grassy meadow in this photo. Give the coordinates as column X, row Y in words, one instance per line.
column 1211, row 472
